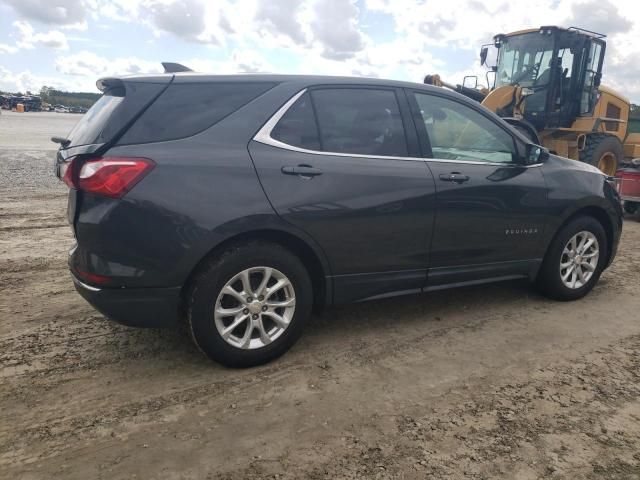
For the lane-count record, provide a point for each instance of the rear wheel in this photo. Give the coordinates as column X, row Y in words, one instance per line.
column 250, row 304
column 574, row 261
column 603, row 151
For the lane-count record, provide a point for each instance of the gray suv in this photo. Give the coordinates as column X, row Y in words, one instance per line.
column 241, row 203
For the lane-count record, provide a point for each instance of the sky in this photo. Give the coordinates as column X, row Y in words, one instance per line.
column 69, row 44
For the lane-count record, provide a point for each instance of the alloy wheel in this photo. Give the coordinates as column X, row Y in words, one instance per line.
column 254, row 308
column 579, row 260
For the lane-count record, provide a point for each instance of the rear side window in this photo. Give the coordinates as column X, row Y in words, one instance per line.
column 297, row 126
column 186, row 109
column 360, row 120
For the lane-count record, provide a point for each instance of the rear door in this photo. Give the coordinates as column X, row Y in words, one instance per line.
column 490, row 207
column 338, row 163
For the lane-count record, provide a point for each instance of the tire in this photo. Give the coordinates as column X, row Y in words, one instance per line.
column 207, row 305
column 603, row 151
column 549, row 279
column 631, row 207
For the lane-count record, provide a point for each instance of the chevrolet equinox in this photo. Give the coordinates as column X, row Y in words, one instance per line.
column 241, row 202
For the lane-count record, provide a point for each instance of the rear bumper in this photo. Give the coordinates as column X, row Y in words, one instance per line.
column 134, row 307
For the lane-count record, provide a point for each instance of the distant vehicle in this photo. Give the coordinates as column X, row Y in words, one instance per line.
column 60, row 109
column 246, row 200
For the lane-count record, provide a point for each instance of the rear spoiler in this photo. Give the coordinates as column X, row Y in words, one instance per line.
column 105, row 84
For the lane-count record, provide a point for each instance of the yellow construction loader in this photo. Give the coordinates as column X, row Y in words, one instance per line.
column 547, row 85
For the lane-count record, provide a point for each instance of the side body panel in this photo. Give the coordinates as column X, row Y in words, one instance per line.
column 203, row 190
column 372, row 217
column 493, row 224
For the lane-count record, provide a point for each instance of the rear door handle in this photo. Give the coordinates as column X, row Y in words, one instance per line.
column 301, row 170
column 455, row 177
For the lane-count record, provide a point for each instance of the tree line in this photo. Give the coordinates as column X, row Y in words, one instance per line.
column 69, row 99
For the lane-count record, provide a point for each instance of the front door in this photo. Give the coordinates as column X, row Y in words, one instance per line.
column 490, row 207
column 353, row 182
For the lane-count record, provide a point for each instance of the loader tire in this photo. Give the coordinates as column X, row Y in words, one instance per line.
column 603, row 151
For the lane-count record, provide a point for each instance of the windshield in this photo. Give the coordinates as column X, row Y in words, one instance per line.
column 525, row 60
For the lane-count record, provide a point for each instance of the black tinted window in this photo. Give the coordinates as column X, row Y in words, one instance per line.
column 298, row 126
column 185, row 109
column 360, row 120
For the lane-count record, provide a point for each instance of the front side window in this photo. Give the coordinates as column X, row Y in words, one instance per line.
column 457, row 132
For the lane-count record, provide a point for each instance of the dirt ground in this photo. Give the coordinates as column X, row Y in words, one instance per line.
column 485, row 382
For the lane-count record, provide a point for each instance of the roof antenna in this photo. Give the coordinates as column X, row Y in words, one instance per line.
column 170, row 67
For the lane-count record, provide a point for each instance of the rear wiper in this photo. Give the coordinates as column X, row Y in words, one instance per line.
column 61, row 140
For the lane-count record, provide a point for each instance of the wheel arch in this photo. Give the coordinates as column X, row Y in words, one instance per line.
column 313, row 261
column 594, row 211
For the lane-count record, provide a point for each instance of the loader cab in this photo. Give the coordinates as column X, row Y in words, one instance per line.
column 559, row 70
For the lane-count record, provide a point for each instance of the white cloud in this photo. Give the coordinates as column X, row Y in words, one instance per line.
column 92, row 66
column 28, row 38
column 4, row 48
column 24, row 81
column 323, row 36
column 335, row 28
column 58, row 12
column 281, row 18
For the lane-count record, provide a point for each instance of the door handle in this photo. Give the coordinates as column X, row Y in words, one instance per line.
column 301, row 170
column 455, row 177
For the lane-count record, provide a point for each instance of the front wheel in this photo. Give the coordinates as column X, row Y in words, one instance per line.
column 250, row 304
column 574, row 261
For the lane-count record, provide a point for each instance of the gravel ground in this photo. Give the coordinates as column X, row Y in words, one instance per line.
column 484, row 382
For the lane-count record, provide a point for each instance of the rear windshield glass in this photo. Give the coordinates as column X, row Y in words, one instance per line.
column 113, row 112
column 91, row 126
column 186, row 109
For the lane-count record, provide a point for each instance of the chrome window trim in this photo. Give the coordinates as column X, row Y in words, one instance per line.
column 264, row 136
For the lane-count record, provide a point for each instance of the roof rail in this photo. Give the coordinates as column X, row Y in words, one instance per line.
column 170, row 67
column 589, row 32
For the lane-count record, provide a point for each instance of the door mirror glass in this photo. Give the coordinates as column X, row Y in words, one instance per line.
column 470, row 81
column 536, row 154
column 484, row 51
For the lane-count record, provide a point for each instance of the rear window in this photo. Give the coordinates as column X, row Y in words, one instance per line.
column 112, row 112
column 186, row 109
column 90, row 128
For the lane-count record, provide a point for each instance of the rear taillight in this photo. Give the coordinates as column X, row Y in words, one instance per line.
column 108, row 176
column 66, row 173
column 92, row 278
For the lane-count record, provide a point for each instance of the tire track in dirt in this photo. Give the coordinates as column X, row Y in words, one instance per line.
column 562, row 422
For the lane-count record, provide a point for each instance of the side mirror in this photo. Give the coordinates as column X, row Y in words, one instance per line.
column 536, row 154
column 484, row 51
column 471, row 83
column 597, row 80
